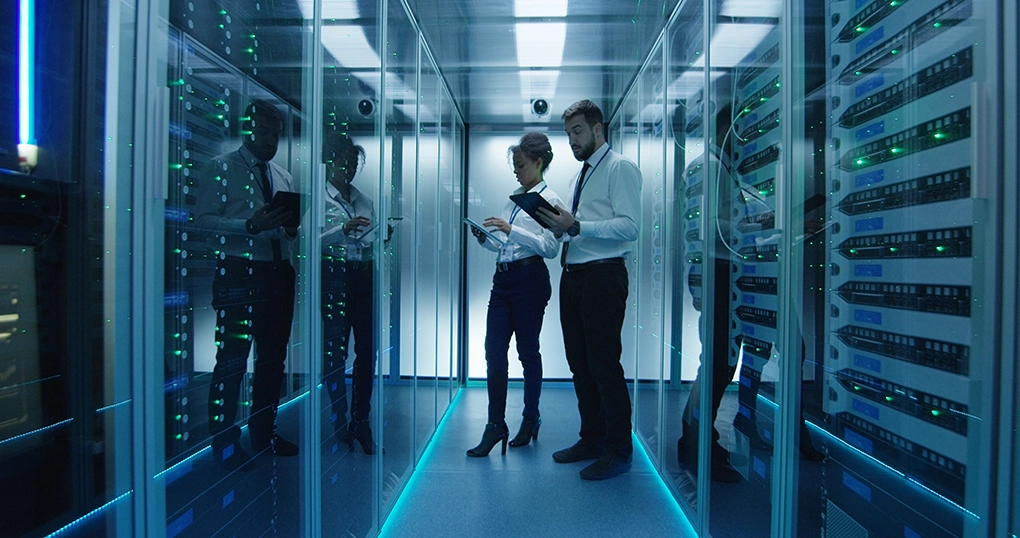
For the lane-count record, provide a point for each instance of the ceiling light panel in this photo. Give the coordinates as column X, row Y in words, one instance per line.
column 752, row 8
column 732, row 42
column 346, row 10
column 540, row 8
column 540, row 44
column 349, row 46
column 539, row 84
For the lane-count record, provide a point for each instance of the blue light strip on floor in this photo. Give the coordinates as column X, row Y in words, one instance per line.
column 40, row 430
column 639, row 452
column 412, row 482
column 208, row 448
column 73, row 526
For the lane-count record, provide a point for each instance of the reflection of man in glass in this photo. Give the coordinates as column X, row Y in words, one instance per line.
column 253, row 287
column 717, row 177
column 347, row 290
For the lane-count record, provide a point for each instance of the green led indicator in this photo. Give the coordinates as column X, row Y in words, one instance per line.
column 178, row 417
column 853, row 251
column 940, row 136
column 888, row 398
column 896, row 150
column 893, row 249
column 935, row 412
column 857, row 387
column 937, row 25
column 179, row 436
column 178, row 353
column 861, row 29
column 940, row 248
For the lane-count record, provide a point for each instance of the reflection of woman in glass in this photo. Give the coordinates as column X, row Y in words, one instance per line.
column 520, row 293
column 347, row 290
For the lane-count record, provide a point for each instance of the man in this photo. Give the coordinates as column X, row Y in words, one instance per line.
column 597, row 232
column 253, row 287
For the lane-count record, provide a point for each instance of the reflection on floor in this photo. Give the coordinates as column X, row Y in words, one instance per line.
column 525, row 493
column 742, row 509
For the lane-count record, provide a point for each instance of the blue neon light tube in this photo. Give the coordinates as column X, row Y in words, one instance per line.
column 26, row 71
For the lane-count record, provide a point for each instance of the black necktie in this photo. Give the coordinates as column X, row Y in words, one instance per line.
column 267, row 195
column 267, row 187
column 573, row 208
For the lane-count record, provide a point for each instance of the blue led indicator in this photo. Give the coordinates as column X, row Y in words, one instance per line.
column 856, row 486
column 868, row 363
column 868, row 316
column 862, row 443
column 872, row 270
column 873, row 37
column 866, row 180
column 869, row 225
column 228, row 498
column 869, row 84
column 178, row 525
column 870, row 131
column 864, row 408
column 760, row 468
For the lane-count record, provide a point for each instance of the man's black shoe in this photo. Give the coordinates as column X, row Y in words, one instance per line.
column 607, row 466
column 580, row 451
column 233, row 458
column 280, row 446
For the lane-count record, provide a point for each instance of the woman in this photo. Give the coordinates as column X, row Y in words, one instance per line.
column 520, row 293
column 347, row 290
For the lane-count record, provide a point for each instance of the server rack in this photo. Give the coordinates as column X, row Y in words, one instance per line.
column 902, row 389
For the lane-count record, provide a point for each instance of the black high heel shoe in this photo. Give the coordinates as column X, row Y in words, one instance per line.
column 362, row 433
column 493, row 434
column 528, row 431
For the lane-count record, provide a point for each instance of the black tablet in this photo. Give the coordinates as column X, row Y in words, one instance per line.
column 293, row 202
column 530, row 202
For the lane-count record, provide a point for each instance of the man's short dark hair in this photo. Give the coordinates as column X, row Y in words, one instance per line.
column 592, row 113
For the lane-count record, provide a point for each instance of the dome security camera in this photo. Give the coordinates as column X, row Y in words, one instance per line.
column 366, row 107
column 539, row 107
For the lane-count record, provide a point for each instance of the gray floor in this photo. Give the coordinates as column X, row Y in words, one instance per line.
column 526, row 493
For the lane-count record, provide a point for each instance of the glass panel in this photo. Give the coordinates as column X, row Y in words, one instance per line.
column 686, row 90
column 401, row 53
column 237, row 134
column 650, row 255
column 624, row 137
column 354, row 242
column 449, row 255
column 909, row 90
column 427, row 256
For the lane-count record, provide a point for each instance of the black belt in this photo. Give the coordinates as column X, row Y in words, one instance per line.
column 571, row 267
column 510, row 266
